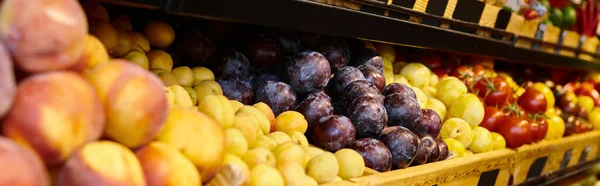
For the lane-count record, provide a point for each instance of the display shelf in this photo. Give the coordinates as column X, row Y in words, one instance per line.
column 389, row 23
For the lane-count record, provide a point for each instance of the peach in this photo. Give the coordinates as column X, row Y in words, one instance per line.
column 106, row 33
column 248, row 127
column 263, row 121
column 121, row 21
column 235, row 142
column 160, row 59
column 259, row 156
column 134, row 101
column 139, row 42
column 7, row 81
column 201, row 74
column 137, row 57
column 43, row 35
column 94, row 54
column 94, row 9
column 184, row 75
column 159, row 33
column 165, row 165
column 199, row 137
column 102, row 163
column 207, row 87
column 262, row 175
column 290, row 121
column 263, row 107
column 289, row 151
column 26, row 168
column 218, row 108
column 54, row 113
column 123, row 43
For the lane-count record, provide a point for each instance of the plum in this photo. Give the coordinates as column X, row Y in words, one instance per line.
column 263, row 51
column 236, row 87
column 358, row 89
column 433, row 151
column 339, row 108
column 369, row 117
column 233, row 63
column 289, row 42
column 336, row 51
column 367, row 56
column 314, row 107
column 376, row 155
column 262, row 78
column 278, row 95
column 402, row 143
column 422, row 153
column 431, row 123
column 403, row 111
column 195, row 46
column 443, row 149
column 373, row 75
column 342, row 78
column 333, row 132
column 307, row 72
column 394, row 88
column 312, row 40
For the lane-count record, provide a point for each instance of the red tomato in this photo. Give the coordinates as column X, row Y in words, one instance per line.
column 491, row 118
column 532, row 101
column 429, row 59
column 513, row 109
column 465, row 74
column 495, row 91
column 515, row 130
column 539, row 128
column 530, row 14
column 478, row 71
column 576, row 125
column 587, row 89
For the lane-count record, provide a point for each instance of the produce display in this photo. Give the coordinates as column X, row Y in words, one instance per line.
column 92, row 96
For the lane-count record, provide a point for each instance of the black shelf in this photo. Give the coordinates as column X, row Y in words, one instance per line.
column 560, row 174
column 372, row 23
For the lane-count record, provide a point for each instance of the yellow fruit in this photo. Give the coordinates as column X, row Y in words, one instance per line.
column 208, row 87
column 248, row 127
column 263, row 121
column 165, row 165
column 263, row 107
column 201, row 74
column 184, row 75
column 167, row 78
column 309, row 181
column 400, row 79
column 259, row 156
column 160, row 34
column 386, row 51
column 546, row 92
column 586, row 103
column 292, row 172
column 139, row 42
column 279, row 137
column 289, row 151
column 594, row 118
column 159, row 59
column 263, row 175
column 236, row 105
column 265, row 142
column 123, row 43
column 157, row 71
column 290, row 121
column 192, row 94
column 238, row 163
column 498, row 140
column 170, row 96
column 218, row 108
column 351, row 163
column 556, row 127
column 421, row 96
column 235, row 142
column 313, row 151
column 388, row 74
column 323, row 168
column 182, row 97
column 299, row 138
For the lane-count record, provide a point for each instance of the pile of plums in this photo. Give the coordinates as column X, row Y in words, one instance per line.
column 339, row 87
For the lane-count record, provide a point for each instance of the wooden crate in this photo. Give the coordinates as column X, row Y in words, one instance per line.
column 491, row 168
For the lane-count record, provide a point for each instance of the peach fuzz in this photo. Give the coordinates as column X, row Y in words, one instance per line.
column 134, row 101
column 94, row 54
column 165, row 165
column 54, row 113
column 26, row 169
column 43, row 35
column 198, row 137
column 101, row 163
column 8, row 86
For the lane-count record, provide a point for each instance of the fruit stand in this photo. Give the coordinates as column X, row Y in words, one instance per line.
column 298, row 92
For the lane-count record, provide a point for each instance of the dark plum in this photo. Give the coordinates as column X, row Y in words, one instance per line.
column 369, row 117
column 307, row 72
column 376, row 155
column 342, row 78
column 339, row 108
column 195, row 47
column 288, row 41
column 237, row 88
column 403, row 111
column 373, row 75
column 358, row 89
column 312, row 40
column 402, row 143
column 431, row 123
column 315, row 106
column 443, row 149
column 333, row 132
column 433, row 151
column 367, row 56
column 421, row 157
column 336, row 51
column 263, row 78
column 278, row 95
column 397, row 88
column 263, row 51
column 233, row 63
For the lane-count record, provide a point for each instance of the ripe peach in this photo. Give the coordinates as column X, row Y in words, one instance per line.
column 54, row 113
column 25, row 167
column 43, row 35
column 159, row 33
column 134, row 101
column 7, row 81
column 105, row 32
column 121, row 21
column 199, row 137
column 123, row 43
column 160, row 59
column 137, row 57
column 184, row 75
column 263, row 107
column 102, row 163
column 93, row 54
column 165, row 165
column 290, row 121
column 94, row 9
column 139, row 42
